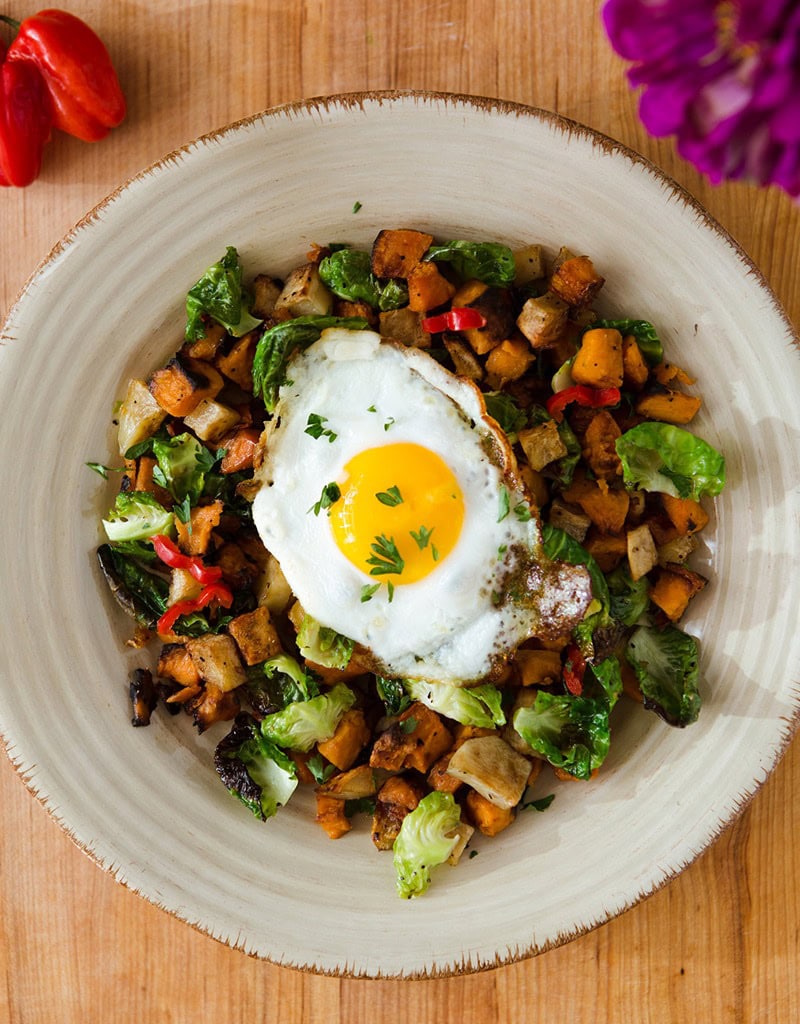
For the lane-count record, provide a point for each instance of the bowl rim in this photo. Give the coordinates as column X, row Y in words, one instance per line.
column 348, row 101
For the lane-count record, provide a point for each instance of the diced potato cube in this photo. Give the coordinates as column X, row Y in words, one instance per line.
column 211, row 419
column 255, row 635
column 266, row 291
column 217, row 660
column 182, row 586
column 304, row 294
column 492, row 768
column 570, row 520
column 642, row 553
column 542, row 444
column 272, row 589
column 404, row 325
column 543, row 319
column 140, row 416
column 576, row 281
column 529, row 264
column 465, row 362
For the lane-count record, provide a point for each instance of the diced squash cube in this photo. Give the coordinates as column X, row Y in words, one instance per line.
column 598, row 363
column 428, row 288
column 669, row 407
column 508, row 361
column 237, row 363
column 634, row 366
column 605, row 506
column 351, row 736
column 396, row 252
column 674, row 588
column 607, row 549
column 140, row 416
column 206, row 347
column 496, row 307
column 576, row 281
column 686, row 515
column 180, row 386
column 240, row 450
column 487, row 817
column 599, row 449
column 416, row 740
column 331, row 816
column 195, row 536
column 397, row 797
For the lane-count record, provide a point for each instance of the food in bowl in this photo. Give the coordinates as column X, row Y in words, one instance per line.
column 413, row 519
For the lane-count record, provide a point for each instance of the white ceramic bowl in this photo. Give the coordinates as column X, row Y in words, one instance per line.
column 107, row 304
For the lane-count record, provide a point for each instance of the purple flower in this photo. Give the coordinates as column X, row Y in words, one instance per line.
column 721, row 75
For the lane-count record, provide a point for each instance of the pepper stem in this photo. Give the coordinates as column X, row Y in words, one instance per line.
column 11, row 21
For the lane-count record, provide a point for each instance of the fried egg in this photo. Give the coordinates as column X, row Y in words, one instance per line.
column 392, row 502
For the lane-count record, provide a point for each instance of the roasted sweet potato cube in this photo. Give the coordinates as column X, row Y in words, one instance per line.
column 237, row 363
column 497, row 308
column 351, row 736
column 599, row 448
column 438, row 778
column 674, row 588
column 508, row 361
column 605, row 506
column 543, row 319
column 416, row 740
column 598, row 363
column 607, row 549
column 537, row 666
column 331, row 816
column 344, row 307
column 212, row 705
column 396, row 252
column 180, row 385
column 428, row 288
column 396, row 798
column 486, row 816
column 255, row 636
column 203, row 519
column 237, row 569
column 207, row 346
column 669, row 407
column 144, row 481
column 175, row 663
column 686, row 515
column 669, row 374
column 576, row 281
column 240, row 449
column 634, row 366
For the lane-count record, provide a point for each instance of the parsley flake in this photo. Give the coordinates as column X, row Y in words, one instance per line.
column 330, row 494
column 540, row 805
column 505, row 505
column 356, row 206
column 316, row 427
column 321, row 771
column 389, row 423
column 391, row 497
column 408, row 725
column 368, row 591
column 385, row 557
column 523, row 512
column 422, row 537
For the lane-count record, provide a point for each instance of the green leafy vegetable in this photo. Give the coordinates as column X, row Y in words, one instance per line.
column 254, row 770
column 322, row 645
column 474, row 705
column 489, row 262
column 279, row 342
column 662, row 457
column 219, row 295
column 292, row 683
column 330, row 494
column 316, row 427
column 302, row 724
column 142, row 594
column 643, row 331
column 427, row 837
column 539, row 805
column 560, row 546
column 393, row 694
column 665, row 663
column 183, row 463
column 348, row 274
column 321, row 771
column 573, row 733
column 563, row 469
column 502, row 408
column 137, row 515
column 629, row 598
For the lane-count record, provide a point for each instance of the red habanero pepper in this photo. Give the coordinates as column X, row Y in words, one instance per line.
column 175, row 559
column 25, row 121
column 212, row 592
column 461, row 318
column 85, row 94
column 574, row 668
column 591, row 398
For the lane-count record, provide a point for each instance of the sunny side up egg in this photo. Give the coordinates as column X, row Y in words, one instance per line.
column 392, row 503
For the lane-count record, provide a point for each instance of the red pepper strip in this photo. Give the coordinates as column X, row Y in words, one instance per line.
column 176, row 559
column 85, row 93
column 25, row 122
column 213, row 592
column 461, row 318
column 574, row 668
column 591, row 398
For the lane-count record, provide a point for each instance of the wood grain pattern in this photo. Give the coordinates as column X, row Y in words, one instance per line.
column 722, row 942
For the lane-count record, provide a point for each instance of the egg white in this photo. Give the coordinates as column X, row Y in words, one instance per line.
column 456, row 624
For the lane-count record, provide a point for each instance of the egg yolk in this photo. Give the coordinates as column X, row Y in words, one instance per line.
column 400, row 512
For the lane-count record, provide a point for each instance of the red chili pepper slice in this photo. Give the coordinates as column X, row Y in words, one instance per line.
column 574, row 668
column 590, row 398
column 175, row 559
column 461, row 318
column 213, row 592
column 25, row 122
column 85, row 95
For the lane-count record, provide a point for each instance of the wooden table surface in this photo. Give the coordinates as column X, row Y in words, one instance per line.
column 720, row 943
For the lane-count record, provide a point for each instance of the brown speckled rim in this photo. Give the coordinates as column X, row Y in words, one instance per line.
column 489, row 106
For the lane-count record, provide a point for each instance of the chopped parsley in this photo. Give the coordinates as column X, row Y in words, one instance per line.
column 385, row 557
column 389, row 423
column 368, row 591
column 505, row 505
column 523, row 512
column 391, row 497
column 316, row 427
column 422, row 537
column 330, row 494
